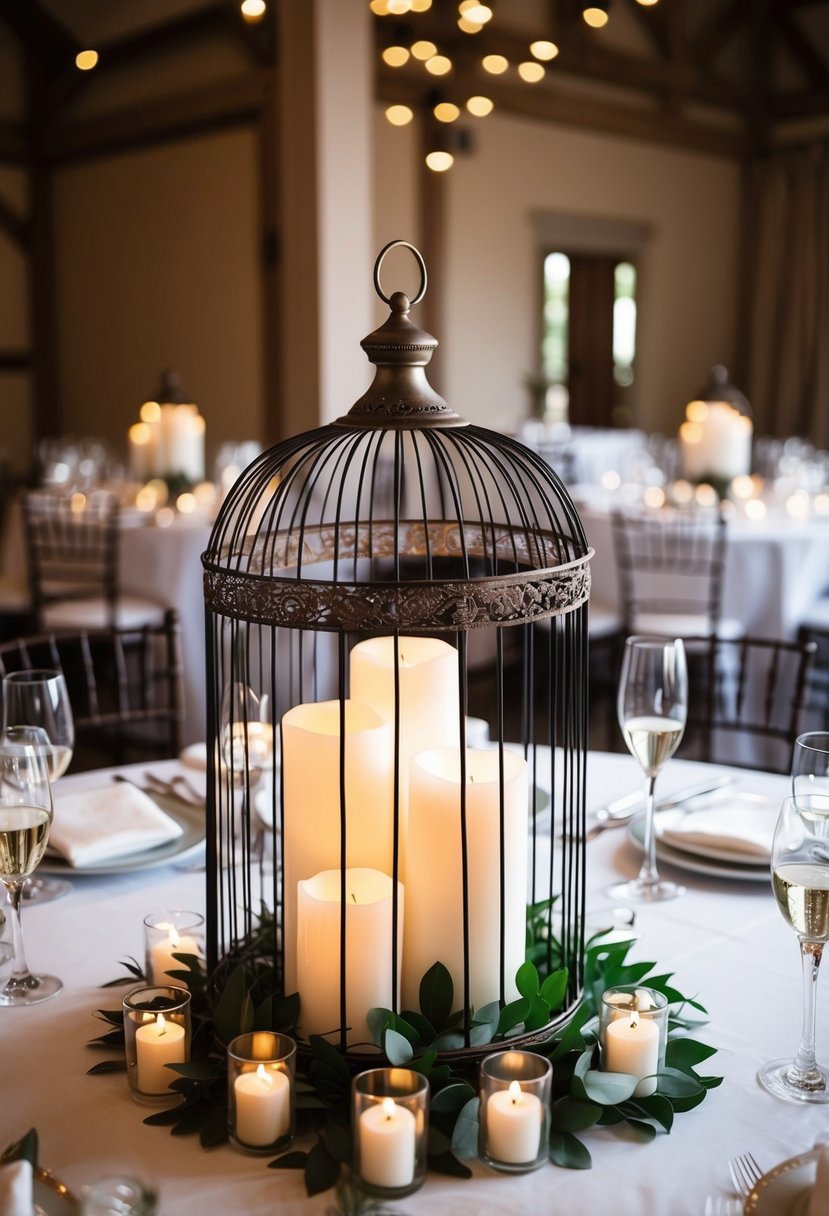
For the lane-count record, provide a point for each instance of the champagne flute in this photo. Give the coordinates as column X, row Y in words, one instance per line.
column 25, row 819
column 810, row 765
column 800, row 881
column 652, row 708
column 40, row 698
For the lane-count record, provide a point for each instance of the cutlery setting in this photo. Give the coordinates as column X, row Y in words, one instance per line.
column 622, row 810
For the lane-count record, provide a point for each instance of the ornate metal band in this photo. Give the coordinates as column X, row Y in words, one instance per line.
column 416, row 607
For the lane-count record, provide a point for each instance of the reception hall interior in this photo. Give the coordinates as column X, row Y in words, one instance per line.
column 414, row 606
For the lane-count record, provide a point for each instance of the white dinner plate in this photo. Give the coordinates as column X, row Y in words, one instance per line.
column 189, row 818
column 701, row 865
column 785, row 1190
column 739, row 802
column 52, row 1197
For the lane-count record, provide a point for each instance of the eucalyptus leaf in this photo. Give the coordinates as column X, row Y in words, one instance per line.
column 337, row 1141
column 513, row 1015
column 567, row 1151
column 227, row 1016
column 658, row 1107
column 447, row 1163
column 378, row 1019
column 554, row 988
column 538, row 1016
column 436, row 995
column 289, row 1161
column 452, row 1097
column 685, row 1053
column 487, row 1015
column 674, row 1083
column 527, row 981
column 107, row 1066
column 609, row 1088
column 214, row 1129
column 24, row 1149
column 321, row 1170
column 398, row 1049
column 570, row 1115
column 425, row 1029
column 479, row 1036
column 466, row 1130
column 646, row 1130
column 200, row 1070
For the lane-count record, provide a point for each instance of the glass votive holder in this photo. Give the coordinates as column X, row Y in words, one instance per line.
column 633, row 1034
column 118, row 1195
column 390, row 1122
column 515, row 1089
column 156, row 1033
column 166, row 934
column 261, row 1067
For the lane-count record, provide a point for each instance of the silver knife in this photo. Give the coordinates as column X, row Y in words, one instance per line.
column 625, row 808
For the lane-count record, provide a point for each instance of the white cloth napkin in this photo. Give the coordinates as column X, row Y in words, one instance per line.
column 16, row 1189
column 745, row 832
column 112, row 821
column 819, row 1198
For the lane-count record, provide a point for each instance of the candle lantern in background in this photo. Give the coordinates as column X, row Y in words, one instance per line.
column 345, row 575
column 168, row 440
column 715, row 438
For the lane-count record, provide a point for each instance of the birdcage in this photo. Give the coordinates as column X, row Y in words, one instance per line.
column 396, row 612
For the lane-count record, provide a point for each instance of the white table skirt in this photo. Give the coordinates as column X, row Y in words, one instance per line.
column 725, row 942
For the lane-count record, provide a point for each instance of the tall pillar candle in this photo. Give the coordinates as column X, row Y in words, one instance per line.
column 369, row 978
column 311, row 777
column 434, row 896
column 428, row 693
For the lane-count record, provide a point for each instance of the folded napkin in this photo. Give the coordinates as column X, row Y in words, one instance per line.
column 16, row 1189
column 746, row 832
column 112, row 821
column 819, row 1198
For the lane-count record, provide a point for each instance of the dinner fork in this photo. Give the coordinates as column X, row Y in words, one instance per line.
column 745, row 1173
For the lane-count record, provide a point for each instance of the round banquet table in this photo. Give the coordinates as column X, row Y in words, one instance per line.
column 725, row 942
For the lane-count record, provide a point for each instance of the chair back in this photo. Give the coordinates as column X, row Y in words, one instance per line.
column 670, row 564
column 72, row 548
column 749, row 707
column 125, row 688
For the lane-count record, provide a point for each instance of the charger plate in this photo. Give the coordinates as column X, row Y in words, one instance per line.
column 701, row 865
column 52, row 1197
column 785, row 1190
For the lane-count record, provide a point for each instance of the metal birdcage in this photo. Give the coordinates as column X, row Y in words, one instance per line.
column 373, row 589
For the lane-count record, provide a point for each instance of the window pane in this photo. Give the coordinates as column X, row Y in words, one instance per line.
column 556, row 308
column 624, row 323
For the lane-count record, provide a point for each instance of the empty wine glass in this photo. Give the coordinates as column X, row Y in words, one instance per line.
column 247, row 741
column 800, row 881
column 25, row 820
column 40, row 698
column 810, row 765
column 652, row 708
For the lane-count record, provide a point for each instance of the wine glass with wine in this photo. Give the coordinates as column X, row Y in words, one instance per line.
column 25, row 820
column 652, row 709
column 800, row 881
column 40, row 698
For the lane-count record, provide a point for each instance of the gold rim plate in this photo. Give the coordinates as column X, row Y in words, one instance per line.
column 52, row 1197
column 785, row 1190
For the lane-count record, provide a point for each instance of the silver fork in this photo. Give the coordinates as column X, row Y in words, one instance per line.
column 745, row 1173
column 717, row 1206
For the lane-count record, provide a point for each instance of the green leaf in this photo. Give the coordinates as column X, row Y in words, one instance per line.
column 527, row 981
column 289, row 1161
column 513, row 1015
column 425, row 1029
column 228, row 1014
column 571, row 1036
column 327, row 1053
column 107, row 1066
column 24, row 1149
column 397, row 1048
column 609, row 1087
column 570, row 1115
column 378, row 1019
column 479, row 1036
column 465, row 1131
column 657, row 1107
column 447, row 1163
column 436, row 995
column 538, row 1016
column 487, row 1015
column 568, row 1152
column 337, row 1141
column 214, row 1129
column 321, row 1170
column 646, row 1130
column 200, row 1070
column 452, row 1097
column 684, row 1054
column 554, row 988
column 676, row 1084
column 403, row 1027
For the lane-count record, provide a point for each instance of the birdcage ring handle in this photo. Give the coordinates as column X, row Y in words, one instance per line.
column 418, row 257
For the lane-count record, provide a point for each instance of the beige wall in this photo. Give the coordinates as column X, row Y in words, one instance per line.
column 158, row 265
column 688, row 279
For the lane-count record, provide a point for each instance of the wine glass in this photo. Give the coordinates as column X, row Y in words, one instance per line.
column 25, row 819
column 800, row 881
column 810, row 765
column 652, row 708
column 40, row 698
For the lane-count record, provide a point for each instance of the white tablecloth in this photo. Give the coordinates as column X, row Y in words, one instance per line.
column 725, row 942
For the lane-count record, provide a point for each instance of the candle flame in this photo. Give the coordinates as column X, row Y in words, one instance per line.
column 263, row 1076
column 388, row 1108
column 161, row 1025
column 174, row 937
column 514, row 1091
column 634, row 1018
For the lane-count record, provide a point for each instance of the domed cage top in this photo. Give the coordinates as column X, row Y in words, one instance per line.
column 382, row 594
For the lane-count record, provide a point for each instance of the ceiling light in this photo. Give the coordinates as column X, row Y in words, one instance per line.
column 595, row 13
column 531, row 71
column 86, row 60
column 253, row 10
column 379, row 7
column 439, row 162
column 469, row 27
column 423, row 49
column 646, row 3
column 399, row 116
column 480, row 106
column 496, row 64
column 421, row 6
column 543, row 49
column 446, row 111
column 439, row 65
column 395, row 56
column 398, row 7
column 473, row 11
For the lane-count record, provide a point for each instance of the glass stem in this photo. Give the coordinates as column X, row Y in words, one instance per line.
column 648, row 874
column 804, row 1070
column 20, row 977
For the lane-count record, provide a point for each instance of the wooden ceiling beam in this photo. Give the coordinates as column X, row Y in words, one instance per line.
column 146, row 43
column 14, row 224
column 13, row 145
column 556, row 106
column 805, row 51
column 37, row 29
column 238, row 100
column 714, row 34
column 810, row 103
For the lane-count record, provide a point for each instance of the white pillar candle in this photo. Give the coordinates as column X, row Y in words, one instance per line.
column 368, row 950
column 631, row 1045
column 158, row 1043
column 428, row 693
column 715, row 441
column 161, row 954
column 263, row 1105
column 139, row 438
column 387, row 1134
column 513, row 1125
column 434, row 897
column 311, row 779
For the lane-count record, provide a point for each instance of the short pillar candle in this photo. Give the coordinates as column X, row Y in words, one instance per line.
column 156, row 1034
column 633, row 1033
column 390, row 1119
column 261, row 1068
column 167, row 934
column 514, row 1116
